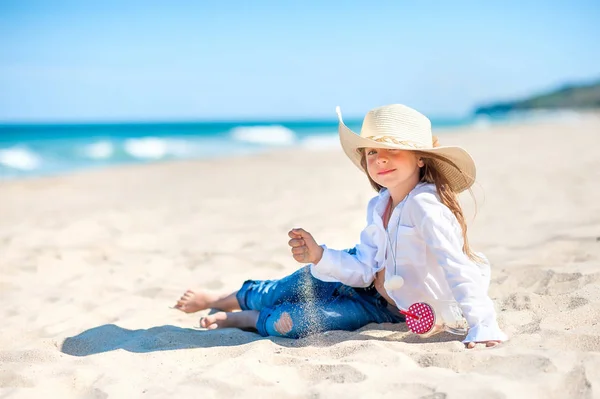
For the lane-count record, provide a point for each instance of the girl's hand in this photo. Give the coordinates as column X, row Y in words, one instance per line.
column 488, row 344
column 304, row 247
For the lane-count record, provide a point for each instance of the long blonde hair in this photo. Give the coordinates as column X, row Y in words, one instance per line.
column 429, row 173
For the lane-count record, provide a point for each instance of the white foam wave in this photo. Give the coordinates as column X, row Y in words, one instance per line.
column 560, row 116
column 155, row 148
column 524, row 117
column 482, row 122
column 321, row 143
column 267, row 135
column 99, row 150
column 20, row 158
column 181, row 148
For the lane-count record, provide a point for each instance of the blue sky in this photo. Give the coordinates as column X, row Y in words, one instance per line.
column 184, row 60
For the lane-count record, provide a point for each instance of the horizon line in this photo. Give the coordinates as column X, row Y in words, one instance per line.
column 217, row 121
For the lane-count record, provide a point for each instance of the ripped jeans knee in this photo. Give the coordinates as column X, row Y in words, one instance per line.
column 283, row 321
column 284, row 324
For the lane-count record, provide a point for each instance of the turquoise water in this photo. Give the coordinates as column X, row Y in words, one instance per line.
column 35, row 150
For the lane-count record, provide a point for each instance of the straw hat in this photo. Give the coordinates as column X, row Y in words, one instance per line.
column 397, row 126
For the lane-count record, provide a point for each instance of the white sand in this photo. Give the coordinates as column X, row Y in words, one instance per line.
column 90, row 264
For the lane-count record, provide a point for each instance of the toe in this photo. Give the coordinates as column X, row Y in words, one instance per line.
column 209, row 322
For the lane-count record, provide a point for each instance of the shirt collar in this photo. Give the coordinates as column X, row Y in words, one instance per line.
column 384, row 197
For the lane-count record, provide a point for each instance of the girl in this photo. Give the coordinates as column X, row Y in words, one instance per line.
column 414, row 248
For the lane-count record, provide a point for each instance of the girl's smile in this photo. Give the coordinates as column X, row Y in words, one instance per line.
column 385, row 172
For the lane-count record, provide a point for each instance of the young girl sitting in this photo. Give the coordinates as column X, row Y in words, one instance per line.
column 413, row 250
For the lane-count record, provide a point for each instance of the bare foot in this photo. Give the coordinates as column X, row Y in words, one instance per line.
column 243, row 319
column 194, row 301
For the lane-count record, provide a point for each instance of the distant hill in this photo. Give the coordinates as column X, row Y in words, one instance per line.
column 585, row 96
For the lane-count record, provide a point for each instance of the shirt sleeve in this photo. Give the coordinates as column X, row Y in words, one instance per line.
column 443, row 237
column 355, row 267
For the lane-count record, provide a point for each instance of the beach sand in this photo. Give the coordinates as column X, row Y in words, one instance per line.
column 91, row 263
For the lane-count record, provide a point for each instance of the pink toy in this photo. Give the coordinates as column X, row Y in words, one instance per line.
column 420, row 318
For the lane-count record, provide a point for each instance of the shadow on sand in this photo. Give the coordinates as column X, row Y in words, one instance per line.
column 111, row 337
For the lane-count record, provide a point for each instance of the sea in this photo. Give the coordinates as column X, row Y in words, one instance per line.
column 32, row 150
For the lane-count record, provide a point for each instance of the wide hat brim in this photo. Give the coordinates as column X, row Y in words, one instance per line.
column 455, row 163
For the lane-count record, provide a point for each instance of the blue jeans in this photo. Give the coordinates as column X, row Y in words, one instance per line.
column 313, row 305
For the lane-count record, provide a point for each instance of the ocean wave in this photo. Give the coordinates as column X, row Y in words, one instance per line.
column 526, row 116
column 20, row 158
column 157, row 148
column 265, row 135
column 321, row 142
column 99, row 150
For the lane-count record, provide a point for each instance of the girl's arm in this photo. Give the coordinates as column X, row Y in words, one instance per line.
column 355, row 267
column 443, row 236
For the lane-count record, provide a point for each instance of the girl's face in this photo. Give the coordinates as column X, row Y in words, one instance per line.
column 390, row 168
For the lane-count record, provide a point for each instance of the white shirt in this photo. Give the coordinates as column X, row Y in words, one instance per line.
column 427, row 242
